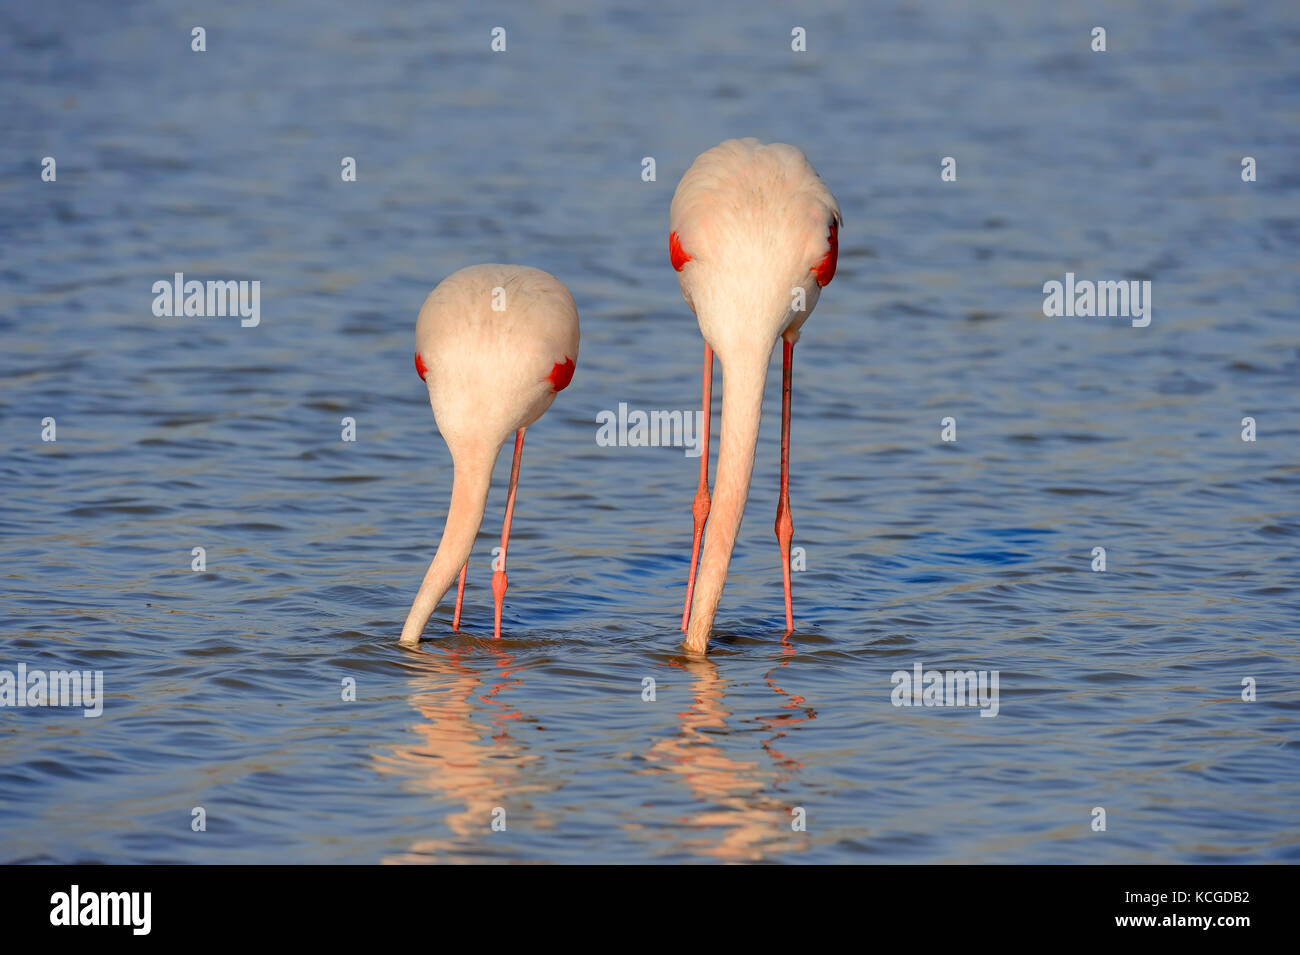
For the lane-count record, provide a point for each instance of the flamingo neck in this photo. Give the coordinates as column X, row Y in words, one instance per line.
column 743, row 378
column 469, row 491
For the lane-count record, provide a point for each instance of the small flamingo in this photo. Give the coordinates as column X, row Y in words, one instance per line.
column 754, row 237
column 494, row 344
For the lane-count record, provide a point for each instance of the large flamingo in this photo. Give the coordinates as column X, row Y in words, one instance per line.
column 754, row 237
column 494, row 344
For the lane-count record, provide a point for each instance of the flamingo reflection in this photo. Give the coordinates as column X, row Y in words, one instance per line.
column 466, row 753
column 742, row 796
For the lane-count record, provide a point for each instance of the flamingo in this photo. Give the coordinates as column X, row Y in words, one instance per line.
column 494, row 344
column 754, row 236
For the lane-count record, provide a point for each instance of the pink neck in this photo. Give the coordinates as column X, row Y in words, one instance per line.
column 743, row 378
column 469, row 491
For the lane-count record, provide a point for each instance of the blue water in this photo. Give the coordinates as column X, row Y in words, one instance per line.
column 1119, row 689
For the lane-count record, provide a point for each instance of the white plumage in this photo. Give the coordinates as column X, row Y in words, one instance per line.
column 490, row 372
column 754, row 236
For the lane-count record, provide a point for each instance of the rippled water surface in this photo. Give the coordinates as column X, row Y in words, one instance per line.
column 1119, row 690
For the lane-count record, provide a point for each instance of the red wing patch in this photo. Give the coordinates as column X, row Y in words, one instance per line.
column 825, row 269
column 561, row 374
column 676, row 253
column 420, row 366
